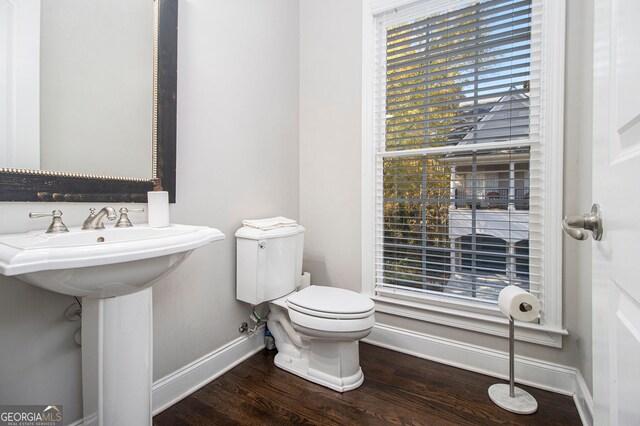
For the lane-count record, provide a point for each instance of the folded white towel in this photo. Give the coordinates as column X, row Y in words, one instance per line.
column 269, row 223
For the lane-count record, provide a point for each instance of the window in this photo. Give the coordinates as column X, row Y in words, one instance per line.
column 463, row 193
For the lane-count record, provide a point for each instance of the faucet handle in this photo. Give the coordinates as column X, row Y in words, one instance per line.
column 56, row 226
column 55, row 213
column 123, row 221
column 92, row 213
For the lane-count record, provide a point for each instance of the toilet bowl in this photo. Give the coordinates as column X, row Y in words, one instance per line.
column 317, row 328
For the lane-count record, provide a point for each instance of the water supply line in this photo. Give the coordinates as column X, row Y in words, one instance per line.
column 257, row 320
column 73, row 313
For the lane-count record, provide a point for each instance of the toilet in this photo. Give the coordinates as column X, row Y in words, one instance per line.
column 316, row 328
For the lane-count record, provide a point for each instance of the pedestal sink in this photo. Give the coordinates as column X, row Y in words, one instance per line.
column 112, row 270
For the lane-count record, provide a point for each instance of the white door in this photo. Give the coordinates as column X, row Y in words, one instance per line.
column 616, row 180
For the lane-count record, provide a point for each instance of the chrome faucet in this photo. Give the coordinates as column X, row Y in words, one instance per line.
column 94, row 221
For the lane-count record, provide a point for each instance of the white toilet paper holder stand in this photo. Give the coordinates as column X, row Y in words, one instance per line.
column 510, row 397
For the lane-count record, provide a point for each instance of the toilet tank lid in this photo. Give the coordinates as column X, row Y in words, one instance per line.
column 258, row 234
column 330, row 300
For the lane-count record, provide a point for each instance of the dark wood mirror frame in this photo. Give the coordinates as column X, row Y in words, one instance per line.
column 34, row 185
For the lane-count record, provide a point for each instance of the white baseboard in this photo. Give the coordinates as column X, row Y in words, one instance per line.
column 188, row 379
column 583, row 400
column 87, row 421
column 533, row 372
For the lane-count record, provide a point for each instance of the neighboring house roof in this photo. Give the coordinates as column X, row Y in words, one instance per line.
column 513, row 107
column 492, row 126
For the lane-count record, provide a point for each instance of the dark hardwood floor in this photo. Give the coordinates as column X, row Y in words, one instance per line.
column 398, row 389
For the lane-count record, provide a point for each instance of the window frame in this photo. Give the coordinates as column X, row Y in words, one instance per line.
column 444, row 310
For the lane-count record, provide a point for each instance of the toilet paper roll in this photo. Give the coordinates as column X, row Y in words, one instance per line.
column 305, row 280
column 518, row 303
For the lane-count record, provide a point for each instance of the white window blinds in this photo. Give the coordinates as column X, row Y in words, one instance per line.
column 457, row 150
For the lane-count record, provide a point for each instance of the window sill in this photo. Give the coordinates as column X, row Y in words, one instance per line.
column 467, row 316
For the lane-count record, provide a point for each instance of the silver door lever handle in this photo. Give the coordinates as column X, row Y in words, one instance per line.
column 577, row 226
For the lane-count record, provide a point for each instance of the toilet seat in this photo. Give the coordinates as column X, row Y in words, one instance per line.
column 330, row 309
column 331, row 303
column 334, row 326
column 330, row 315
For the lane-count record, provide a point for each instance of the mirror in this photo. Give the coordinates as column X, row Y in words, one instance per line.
column 140, row 98
column 96, row 87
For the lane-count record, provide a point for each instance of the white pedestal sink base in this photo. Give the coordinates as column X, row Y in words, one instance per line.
column 116, row 331
column 117, row 359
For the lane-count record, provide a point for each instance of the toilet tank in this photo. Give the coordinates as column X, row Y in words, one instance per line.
column 268, row 263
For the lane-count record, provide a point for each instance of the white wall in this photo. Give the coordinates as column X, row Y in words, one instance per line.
column 330, row 188
column 578, row 133
column 237, row 158
column 330, row 140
